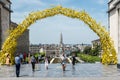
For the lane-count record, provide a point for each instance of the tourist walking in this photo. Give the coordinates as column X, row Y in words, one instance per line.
column 17, row 65
column 63, row 62
column 21, row 57
column 7, row 59
column 33, row 61
column 73, row 60
column 46, row 63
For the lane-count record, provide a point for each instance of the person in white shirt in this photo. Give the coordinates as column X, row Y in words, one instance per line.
column 33, row 61
column 63, row 62
column 46, row 63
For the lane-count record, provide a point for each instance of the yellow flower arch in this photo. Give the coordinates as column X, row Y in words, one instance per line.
column 108, row 55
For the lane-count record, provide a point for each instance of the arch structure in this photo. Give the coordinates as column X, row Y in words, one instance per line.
column 108, row 53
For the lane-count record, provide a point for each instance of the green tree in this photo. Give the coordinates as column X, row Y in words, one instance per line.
column 93, row 52
column 42, row 54
column 87, row 50
column 96, row 51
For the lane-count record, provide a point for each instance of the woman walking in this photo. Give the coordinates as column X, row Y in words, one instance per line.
column 33, row 61
column 8, row 60
column 46, row 63
column 63, row 62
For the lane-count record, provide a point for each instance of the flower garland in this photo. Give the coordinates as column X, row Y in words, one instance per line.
column 108, row 55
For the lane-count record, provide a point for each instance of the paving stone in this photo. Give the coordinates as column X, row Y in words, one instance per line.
column 55, row 72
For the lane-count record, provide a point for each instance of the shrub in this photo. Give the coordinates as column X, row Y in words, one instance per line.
column 89, row 58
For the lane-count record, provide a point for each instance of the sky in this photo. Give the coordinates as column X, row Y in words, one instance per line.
column 48, row 30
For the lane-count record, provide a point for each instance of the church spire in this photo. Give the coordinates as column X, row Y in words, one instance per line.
column 61, row 40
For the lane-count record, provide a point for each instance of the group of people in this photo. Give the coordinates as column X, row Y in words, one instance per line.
column 64, row 60
column 33, row 62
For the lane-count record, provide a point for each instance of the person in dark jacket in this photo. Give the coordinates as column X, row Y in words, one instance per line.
column 73, row 60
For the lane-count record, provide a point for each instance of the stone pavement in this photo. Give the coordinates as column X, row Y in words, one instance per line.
column 80, row 72
column 81, row 78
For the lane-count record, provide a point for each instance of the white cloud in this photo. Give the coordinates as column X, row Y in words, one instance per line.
column 17, row 4
column 101, row 2
column 18, row 17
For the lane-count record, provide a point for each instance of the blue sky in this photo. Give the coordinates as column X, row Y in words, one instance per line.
column 48, row 30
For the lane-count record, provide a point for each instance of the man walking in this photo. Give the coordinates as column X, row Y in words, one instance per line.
column 17, row 65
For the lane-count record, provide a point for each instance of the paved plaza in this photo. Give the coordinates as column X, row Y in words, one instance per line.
column 81, row 71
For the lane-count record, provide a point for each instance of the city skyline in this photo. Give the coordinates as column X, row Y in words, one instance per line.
column 48, row 30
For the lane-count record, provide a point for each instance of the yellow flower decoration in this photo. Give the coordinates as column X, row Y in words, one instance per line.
column 9, row 46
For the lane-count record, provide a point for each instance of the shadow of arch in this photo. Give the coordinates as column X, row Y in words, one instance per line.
column 108, row 55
